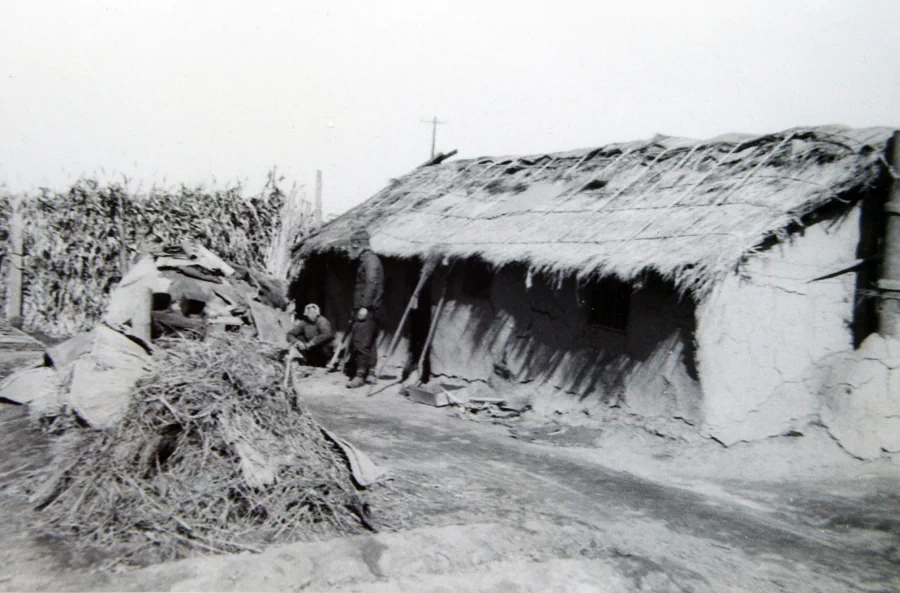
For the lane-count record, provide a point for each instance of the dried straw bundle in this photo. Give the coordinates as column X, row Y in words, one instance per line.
column 213, row 455
column 74, row 239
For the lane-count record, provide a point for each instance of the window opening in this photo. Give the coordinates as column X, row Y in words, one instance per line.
column 477, row 278
column 609, row 302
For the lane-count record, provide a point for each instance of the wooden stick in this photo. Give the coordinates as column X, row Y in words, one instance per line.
column 427, row 268
column 120, row 226
column 339, row 358
column 434, row 320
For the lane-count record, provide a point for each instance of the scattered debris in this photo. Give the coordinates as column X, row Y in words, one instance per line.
column 182, row 290
column 434, row 394
column 476, row 401
column 365, row 472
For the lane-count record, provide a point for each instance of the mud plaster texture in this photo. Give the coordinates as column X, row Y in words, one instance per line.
column 763, row 333
column 539, row 336
column 531, row 337
column 746, row 363
column 860, row 397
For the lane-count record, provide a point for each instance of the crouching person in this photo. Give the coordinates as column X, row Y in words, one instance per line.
column 312, row 339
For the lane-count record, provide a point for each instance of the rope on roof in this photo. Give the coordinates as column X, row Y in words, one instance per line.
column 675, row 168
column 639, row 177
column 704, row 215
column 544, row 166
column 449, row 182
column 439, row 188
column 578, row 164
column 502, row 171
column 655, row 185
column 758, row 166
column 693, row 188
column 599, row 173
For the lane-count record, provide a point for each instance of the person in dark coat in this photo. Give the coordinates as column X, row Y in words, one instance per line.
column 312, row 338
column 368, row 301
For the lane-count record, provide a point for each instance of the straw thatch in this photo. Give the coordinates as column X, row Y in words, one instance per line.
column 688, row 210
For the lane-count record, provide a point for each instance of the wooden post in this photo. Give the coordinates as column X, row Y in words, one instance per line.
column 16, row 265
column 889, row 284
column 142, row 316
column 420, row 367
column 318, row 213
column 120, row 225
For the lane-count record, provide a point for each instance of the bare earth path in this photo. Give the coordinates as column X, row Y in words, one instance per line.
column 745, row 536
column 470, row 508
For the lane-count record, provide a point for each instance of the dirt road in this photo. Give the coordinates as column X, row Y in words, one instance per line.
column 470, row 508
column 711, row 536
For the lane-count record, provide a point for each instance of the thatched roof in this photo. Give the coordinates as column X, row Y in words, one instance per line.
column 689, row 210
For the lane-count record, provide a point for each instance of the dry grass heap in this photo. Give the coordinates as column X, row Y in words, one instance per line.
column 212, row 455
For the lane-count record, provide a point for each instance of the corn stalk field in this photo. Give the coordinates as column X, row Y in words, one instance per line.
column 5, row 212
column 74, row 239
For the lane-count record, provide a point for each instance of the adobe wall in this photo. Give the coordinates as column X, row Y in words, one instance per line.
column 763, row 332
column 540, row 335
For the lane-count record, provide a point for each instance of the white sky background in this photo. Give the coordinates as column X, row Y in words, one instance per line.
column 188, row 91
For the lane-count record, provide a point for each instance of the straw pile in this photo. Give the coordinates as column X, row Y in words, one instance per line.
column 212, row 455
column 74, row 239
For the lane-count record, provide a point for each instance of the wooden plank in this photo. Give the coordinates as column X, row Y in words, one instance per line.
column 272, row 325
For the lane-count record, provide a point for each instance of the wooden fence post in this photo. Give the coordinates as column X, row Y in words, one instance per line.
column 120, row 224
column 16, row 263
column 889, row 283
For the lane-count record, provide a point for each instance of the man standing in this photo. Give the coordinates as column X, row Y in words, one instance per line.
column 368, row 296
column 312, row 338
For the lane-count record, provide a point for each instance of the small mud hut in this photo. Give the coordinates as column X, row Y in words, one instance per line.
column 698, row 280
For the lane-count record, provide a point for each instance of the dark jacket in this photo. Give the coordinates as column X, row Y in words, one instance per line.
column 314, row 334
column 369, row 290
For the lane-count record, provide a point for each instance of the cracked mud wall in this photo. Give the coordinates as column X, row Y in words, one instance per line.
column 541, row 336
column 763, row 332
column 860, row 397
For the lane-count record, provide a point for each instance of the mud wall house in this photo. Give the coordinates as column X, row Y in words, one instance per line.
column 700, row 280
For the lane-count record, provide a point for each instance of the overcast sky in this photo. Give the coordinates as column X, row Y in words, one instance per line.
column 190, row 91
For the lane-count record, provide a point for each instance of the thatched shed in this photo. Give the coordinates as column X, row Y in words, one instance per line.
column 673, row 277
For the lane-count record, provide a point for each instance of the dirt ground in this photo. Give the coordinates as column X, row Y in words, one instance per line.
column 536, row 504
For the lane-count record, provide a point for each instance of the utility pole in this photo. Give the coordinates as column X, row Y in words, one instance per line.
column 318, row 211
column 434, row 124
